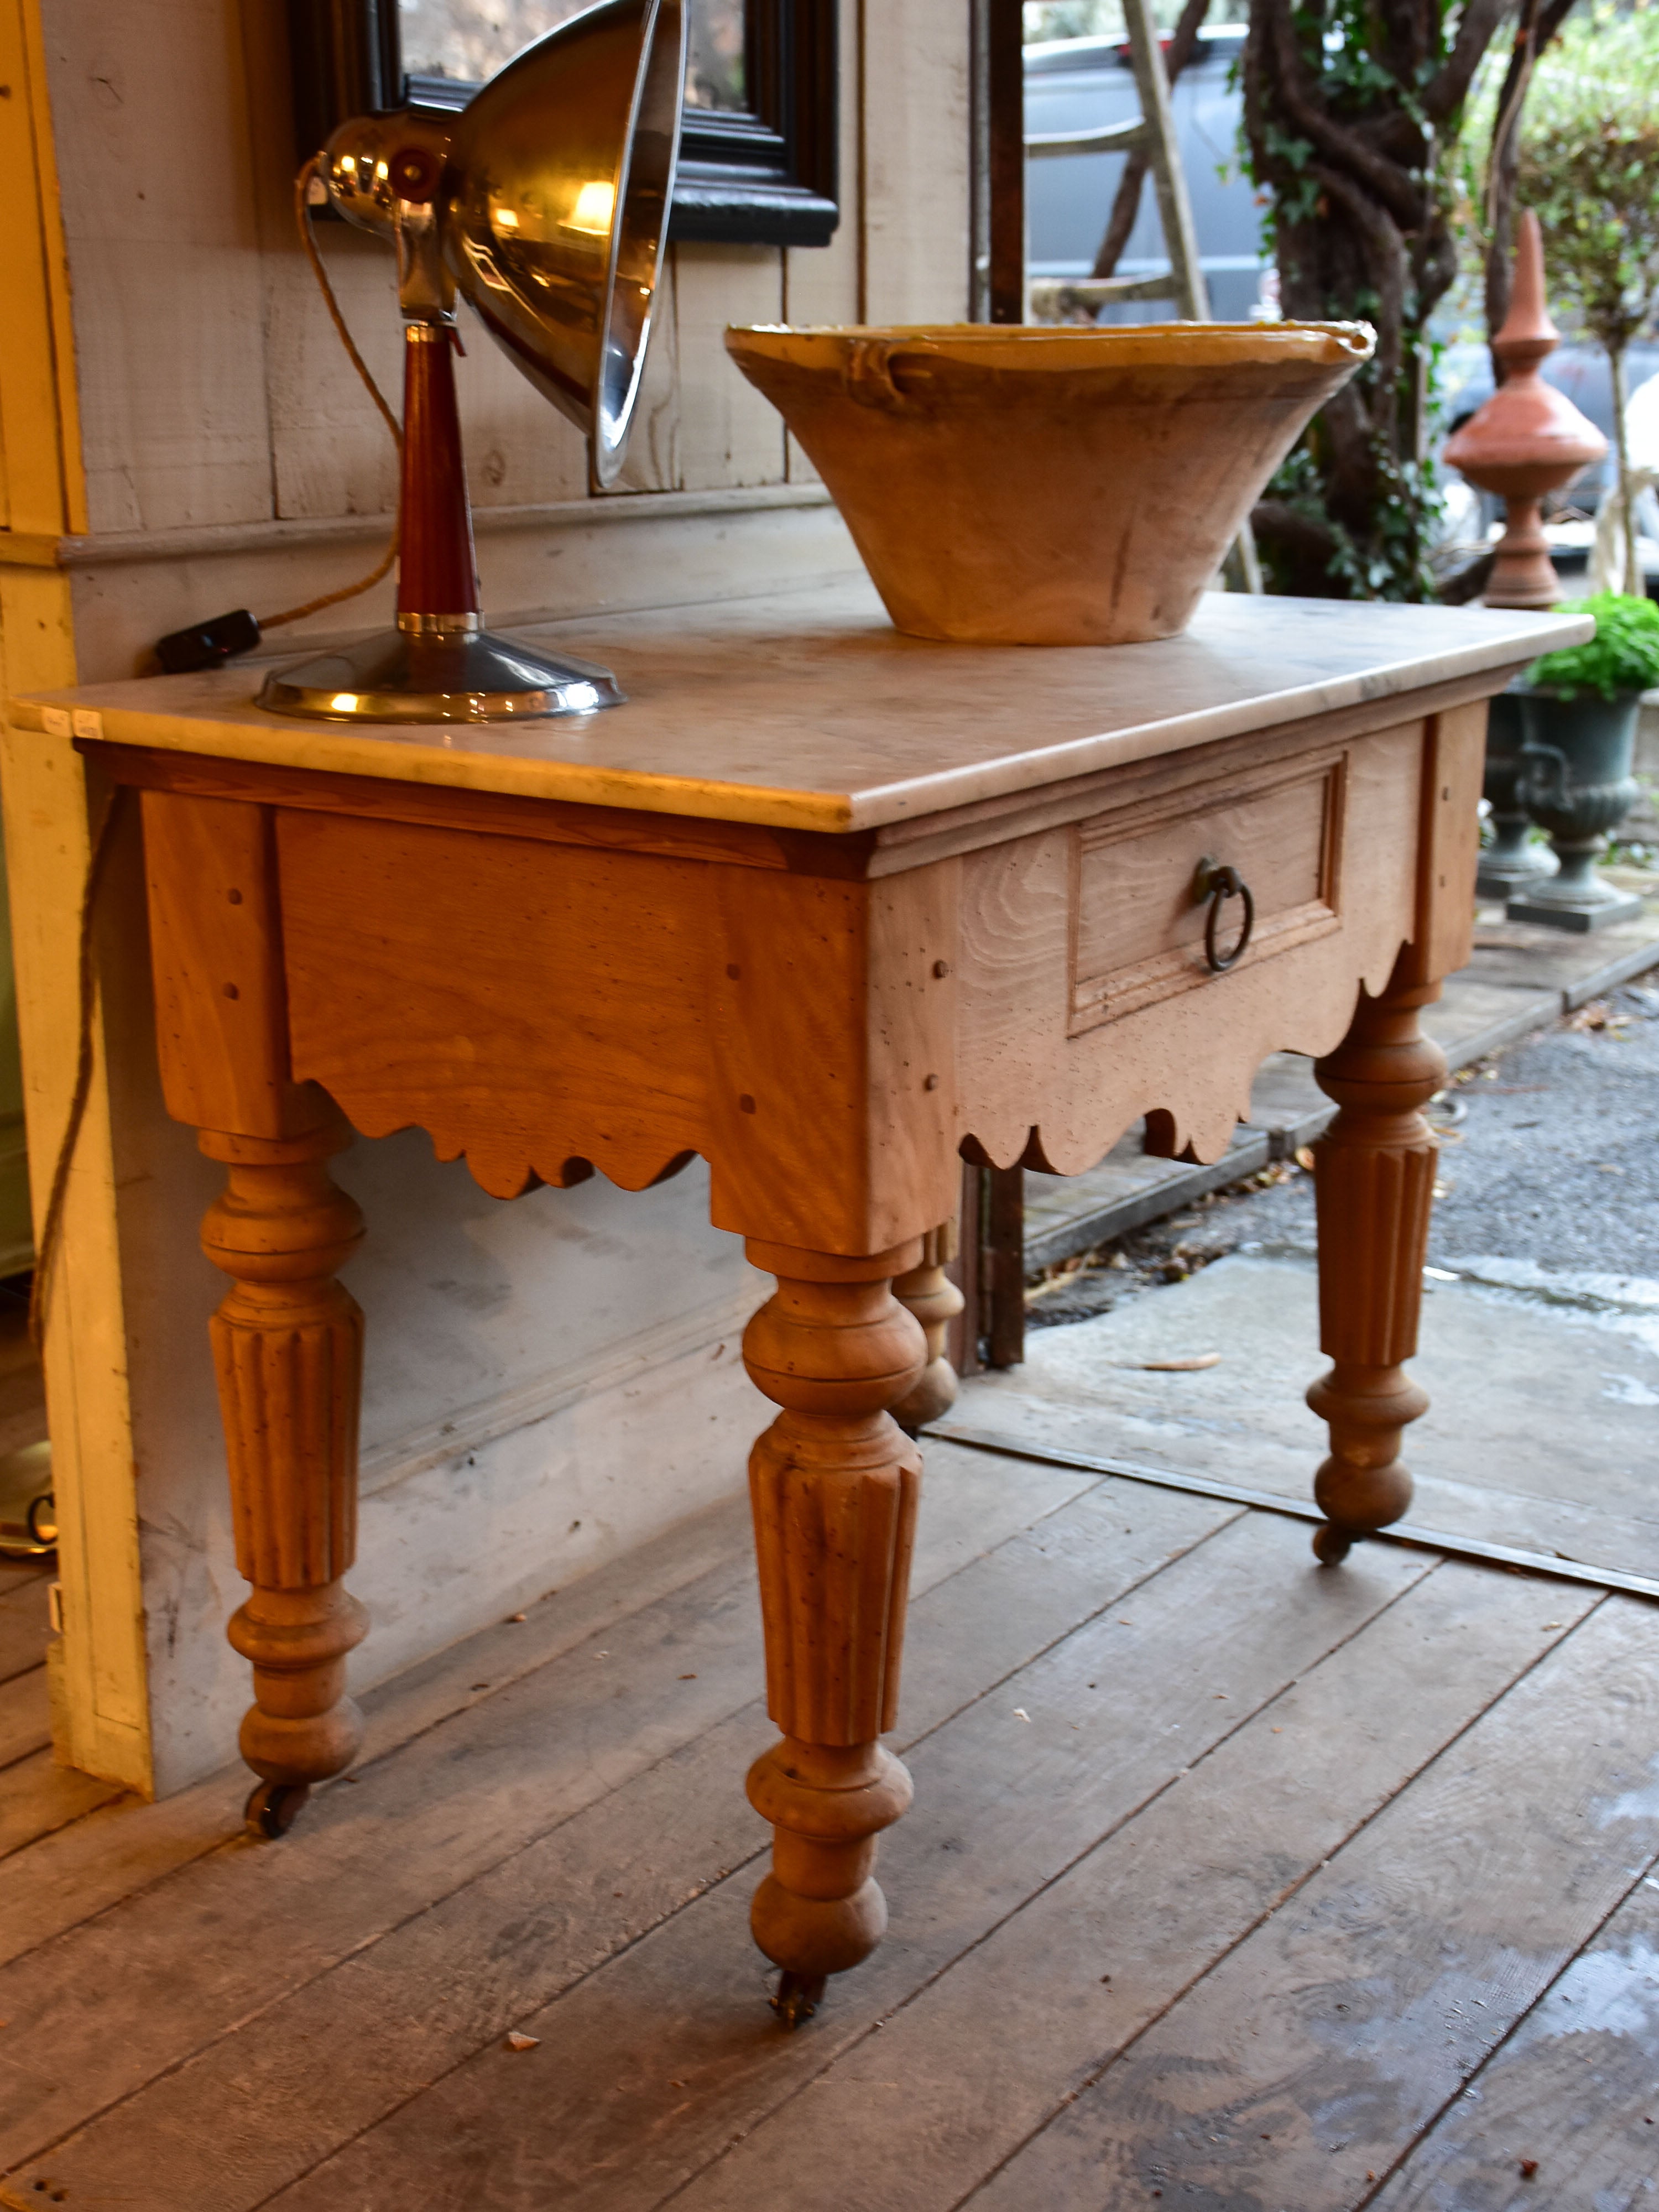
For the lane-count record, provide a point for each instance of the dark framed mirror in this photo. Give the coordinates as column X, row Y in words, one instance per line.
column 757, row 161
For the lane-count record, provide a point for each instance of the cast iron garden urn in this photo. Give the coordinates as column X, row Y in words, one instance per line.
column 1575, row 781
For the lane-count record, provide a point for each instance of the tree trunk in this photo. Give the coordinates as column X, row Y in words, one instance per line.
column 1541, row 21
column 1355, row 165
column 1635, row 583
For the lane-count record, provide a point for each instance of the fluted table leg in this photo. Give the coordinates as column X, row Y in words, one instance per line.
column 835, row 1484
column 288, row 1352
column 1373, row 1186
column 927, row 1293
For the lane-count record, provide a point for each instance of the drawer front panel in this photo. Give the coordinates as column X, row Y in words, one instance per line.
column 1137, row 927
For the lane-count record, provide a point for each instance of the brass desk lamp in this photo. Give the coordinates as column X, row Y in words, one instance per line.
column 545, row 202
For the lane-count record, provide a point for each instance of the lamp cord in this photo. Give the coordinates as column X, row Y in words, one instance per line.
column 308, row 240
column 109, row 819
column 52, row 1226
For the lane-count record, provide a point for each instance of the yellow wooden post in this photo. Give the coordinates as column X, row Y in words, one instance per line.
column 100, row 1708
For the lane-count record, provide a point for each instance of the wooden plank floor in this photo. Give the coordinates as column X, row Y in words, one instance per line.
column 1230, row 1883
column 36, row 1794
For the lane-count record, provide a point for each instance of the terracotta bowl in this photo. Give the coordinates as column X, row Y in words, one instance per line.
column 1025, row 486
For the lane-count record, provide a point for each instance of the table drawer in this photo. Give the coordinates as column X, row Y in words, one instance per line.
column 1137, row 922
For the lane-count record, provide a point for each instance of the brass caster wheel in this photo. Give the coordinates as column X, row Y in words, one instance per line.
column 275, row 1807
column 798, row 1997
column 1331, row 1545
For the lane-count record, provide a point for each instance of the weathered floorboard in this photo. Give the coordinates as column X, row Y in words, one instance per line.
column 92, row 1866
column 1303, row 2067
column 426, row 1996
column 1576, row 2089
column 25, row 1715
column 23, row 1626
column 38, row 1797
column 255, row 1924
column 650, row 2068
column 989, row 2051
column 181, row 1961
column 1226, row 1878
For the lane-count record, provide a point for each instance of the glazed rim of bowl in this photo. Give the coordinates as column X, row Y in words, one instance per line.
column 1031, row 342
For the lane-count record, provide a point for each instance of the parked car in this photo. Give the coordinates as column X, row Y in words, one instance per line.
column 1084, row 84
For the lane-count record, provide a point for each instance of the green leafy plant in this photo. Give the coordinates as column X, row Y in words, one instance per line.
column 1622, row 658
column 1590, row 165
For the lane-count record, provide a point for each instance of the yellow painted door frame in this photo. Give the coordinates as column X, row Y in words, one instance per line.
column 100, row 1710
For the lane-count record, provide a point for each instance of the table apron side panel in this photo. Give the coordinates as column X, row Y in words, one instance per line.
column 215, row 942
column 1086, row 1001
column 835, row 1059
column 1448, row 851
column 542, row 1009
column 538, row 1009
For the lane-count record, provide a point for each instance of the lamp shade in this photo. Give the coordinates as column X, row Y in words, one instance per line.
column 558, row 186
column 545, row 204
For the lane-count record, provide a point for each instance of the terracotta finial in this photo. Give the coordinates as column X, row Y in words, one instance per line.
column 1528, row 334
column 1528, row 439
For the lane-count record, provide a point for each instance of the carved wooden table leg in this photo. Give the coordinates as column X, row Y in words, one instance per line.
column 834, row 1483
column 928, row 1292
column 288, row 1350
column 1374, row 1185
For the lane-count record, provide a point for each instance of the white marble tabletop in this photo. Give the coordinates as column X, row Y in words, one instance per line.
column 808, row 710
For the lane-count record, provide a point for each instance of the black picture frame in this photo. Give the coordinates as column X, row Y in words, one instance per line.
column 763, row 176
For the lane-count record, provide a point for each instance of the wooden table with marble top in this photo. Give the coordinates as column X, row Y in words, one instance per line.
column 834, row 909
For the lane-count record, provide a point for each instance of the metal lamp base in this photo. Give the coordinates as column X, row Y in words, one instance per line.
column 452, row 677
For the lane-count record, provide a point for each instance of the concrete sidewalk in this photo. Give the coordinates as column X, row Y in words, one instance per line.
column 1521, row 978
column 1542, row 1387
column 1188, row 1349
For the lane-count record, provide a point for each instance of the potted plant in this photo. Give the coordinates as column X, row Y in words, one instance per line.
column 1579, row 725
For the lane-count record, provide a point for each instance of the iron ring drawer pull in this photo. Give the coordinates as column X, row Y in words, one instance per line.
column 1218, row 884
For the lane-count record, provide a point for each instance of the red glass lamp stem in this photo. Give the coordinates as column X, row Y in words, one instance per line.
column 437, row 574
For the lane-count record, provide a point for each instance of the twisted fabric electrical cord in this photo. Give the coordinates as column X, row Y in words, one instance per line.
column 103, row 837
column 308, row 240
column 51, row 1228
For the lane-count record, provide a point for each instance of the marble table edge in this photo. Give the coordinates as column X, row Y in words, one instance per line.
column 271, row 740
